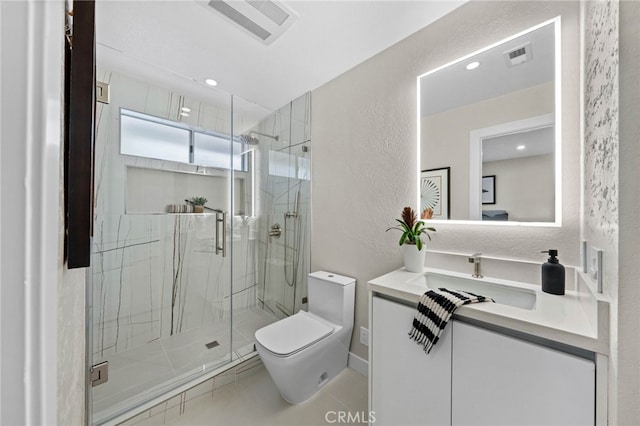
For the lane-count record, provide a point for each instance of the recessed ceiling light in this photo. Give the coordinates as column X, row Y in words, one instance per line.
column 185, row 109
column 473, row 65
column 520, row 147
column 184, row 114
column 211, row 82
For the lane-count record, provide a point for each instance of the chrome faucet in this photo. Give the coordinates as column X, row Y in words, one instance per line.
column 475, row 259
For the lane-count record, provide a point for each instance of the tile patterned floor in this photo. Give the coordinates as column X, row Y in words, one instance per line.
column 254, row 400
column 247, row 396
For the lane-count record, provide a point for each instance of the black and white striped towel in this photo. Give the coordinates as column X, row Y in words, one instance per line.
column 435, row 308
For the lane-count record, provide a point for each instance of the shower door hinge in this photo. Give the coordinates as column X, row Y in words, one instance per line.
column 103, row 92
column 99, row 373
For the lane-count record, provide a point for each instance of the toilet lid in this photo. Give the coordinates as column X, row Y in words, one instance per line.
column 292, row 334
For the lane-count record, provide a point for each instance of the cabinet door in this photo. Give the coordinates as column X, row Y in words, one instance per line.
column 501, row 380
column 409, row 386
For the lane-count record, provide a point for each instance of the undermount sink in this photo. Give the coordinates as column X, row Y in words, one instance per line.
column 504, row 294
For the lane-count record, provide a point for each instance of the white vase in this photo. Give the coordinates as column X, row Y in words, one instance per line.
column 413, row 258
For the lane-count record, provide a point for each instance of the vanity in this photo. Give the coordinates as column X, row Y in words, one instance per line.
column 496, row 173
column 529, row 358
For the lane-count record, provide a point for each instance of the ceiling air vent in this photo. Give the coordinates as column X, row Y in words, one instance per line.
column 518, row 55
column 265, row 20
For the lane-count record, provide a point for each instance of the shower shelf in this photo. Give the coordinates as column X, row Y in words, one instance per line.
column 150, row 191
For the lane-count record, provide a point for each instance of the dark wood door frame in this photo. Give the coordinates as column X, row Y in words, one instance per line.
column 80, row 83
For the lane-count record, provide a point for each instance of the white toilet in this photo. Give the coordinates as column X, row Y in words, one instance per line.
column 305, row 351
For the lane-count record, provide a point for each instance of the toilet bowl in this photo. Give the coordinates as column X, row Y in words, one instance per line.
column 305, row 351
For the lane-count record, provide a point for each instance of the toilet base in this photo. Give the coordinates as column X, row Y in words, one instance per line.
column 300, row 376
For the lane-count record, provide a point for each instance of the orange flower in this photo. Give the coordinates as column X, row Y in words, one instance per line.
column 427, row 213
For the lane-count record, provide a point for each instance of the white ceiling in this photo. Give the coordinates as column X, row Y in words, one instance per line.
column 535, row 142
column 454, row 86
column 178, row 44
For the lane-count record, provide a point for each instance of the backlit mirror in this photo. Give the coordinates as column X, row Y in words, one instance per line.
column 489, row 132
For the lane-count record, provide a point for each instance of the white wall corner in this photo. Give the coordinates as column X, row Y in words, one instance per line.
column 32, row 58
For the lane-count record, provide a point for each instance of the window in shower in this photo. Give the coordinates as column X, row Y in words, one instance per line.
column 211, row 150
column 146, row 138
column 144, row 135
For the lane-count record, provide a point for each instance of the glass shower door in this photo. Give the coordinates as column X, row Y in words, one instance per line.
column 160, row 293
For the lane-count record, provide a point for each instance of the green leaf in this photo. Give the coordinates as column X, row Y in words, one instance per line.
column 403, row 225
column 416, row 228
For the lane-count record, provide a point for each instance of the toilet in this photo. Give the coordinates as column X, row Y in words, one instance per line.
column 305, row 351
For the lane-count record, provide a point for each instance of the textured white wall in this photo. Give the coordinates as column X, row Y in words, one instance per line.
column 611, row 180
column 364, row 162
column 600, row 221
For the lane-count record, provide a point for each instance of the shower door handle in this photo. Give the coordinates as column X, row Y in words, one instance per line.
column 221, row 218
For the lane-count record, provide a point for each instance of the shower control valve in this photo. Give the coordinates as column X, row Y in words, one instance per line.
column 275, row 231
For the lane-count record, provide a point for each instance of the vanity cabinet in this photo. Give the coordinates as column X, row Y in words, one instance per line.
column 503, row 380
column 409, row 387
column 473, row 376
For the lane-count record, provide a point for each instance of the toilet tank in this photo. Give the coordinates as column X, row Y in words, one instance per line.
column 332, row 297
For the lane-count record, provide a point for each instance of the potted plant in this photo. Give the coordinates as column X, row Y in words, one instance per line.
column 411, row 239
column 198, row 204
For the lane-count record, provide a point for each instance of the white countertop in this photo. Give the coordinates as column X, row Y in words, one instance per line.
column 579, row 318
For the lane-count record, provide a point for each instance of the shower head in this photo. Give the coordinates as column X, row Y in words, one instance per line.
column 249, row 140
column 276, row 137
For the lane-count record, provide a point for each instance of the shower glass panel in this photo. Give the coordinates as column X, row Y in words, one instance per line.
column 166, row 306
column 284, row 181
column 247, row 312
column 166, row 309
column 160, row 293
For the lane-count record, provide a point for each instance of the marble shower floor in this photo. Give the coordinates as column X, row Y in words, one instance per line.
column 136, row 371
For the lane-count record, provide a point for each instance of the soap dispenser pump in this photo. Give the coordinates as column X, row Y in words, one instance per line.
column 552, row 274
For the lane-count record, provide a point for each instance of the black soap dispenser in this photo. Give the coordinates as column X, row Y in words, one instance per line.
column 552, row 274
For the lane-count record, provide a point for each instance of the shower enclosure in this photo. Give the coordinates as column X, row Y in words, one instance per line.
column 176, row 296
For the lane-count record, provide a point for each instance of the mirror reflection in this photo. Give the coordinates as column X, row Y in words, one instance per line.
column 487, row 134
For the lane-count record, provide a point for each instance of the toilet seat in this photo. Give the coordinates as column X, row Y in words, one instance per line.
column 292, row 334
